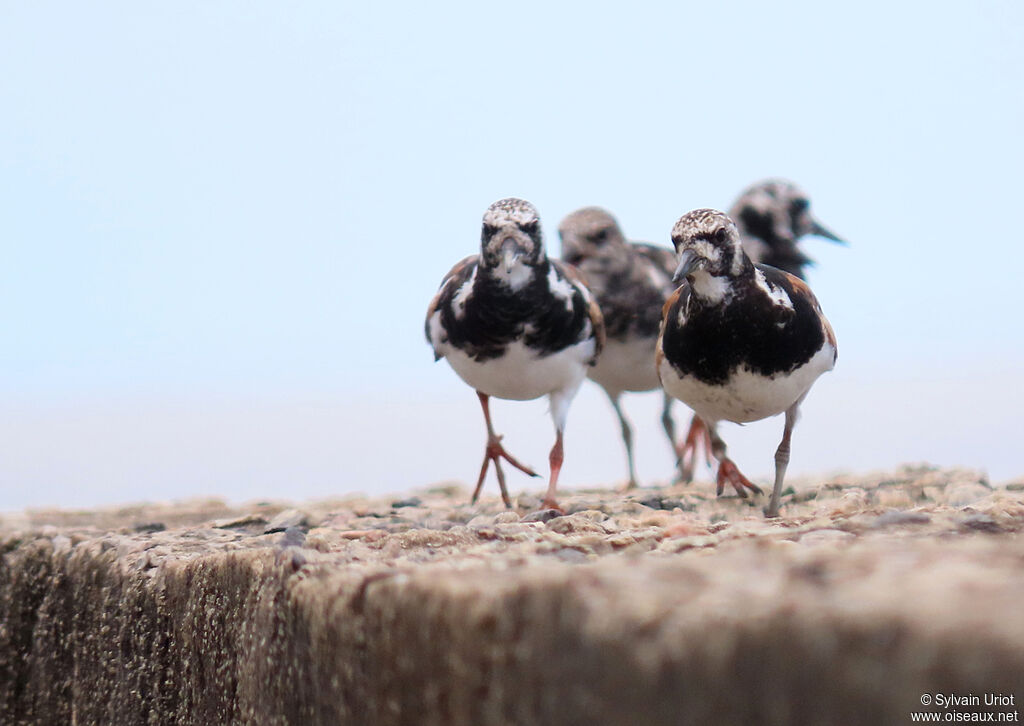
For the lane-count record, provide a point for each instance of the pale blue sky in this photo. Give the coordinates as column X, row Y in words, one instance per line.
column 221, row 224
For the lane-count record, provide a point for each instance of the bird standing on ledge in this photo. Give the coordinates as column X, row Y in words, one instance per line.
column 739, row 342
column 772, row 216
column 631, row 281
column 516, row 325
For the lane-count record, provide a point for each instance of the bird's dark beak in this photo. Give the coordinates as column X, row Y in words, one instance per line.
column 688, row 262
column 510, row 253
column 817, row 228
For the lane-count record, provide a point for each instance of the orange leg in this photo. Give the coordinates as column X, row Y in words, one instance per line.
column 495, row 452
column 687, row 451
column 728, row 473
column 555, row 459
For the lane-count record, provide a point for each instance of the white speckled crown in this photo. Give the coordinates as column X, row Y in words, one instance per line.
column 516, row 211
column 701, row 222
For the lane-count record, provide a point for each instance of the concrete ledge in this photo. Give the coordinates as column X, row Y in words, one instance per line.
column 845, row 611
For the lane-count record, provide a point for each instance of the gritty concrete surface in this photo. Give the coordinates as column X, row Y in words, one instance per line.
column 656, row 606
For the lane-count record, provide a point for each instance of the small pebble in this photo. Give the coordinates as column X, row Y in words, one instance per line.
column 150, row 527
column 289, row 518
column 667, row 504
column 293, row 537
column 823, row 536
column 237, row 522
column 408, row 502
column 542, row 515
column 574, row 523
column 964, row 494
column 568, row 554
column 980, row 523
column 896, row 517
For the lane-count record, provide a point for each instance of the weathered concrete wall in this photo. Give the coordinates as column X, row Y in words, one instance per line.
column 846, row 611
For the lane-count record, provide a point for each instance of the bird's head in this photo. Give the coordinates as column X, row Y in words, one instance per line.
column 775, row 214
column 590, row 233
column 707, row 242
column 511, row 237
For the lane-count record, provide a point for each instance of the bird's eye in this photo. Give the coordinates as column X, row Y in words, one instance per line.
column 530, row 227
column 798, row 206
column 489, row 230
column 599, row 237
column 722, row 234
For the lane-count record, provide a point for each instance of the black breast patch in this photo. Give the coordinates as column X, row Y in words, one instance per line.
column 494, row 315
column 749, row 330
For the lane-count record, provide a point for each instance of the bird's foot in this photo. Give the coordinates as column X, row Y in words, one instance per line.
column 495, row 451
column 628, row 486
column 729, row 474
column 550, row 503
column 684, row 472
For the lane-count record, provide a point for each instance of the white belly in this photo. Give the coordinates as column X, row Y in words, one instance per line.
column 520, row 374
column 746, row 396
column 626, row 366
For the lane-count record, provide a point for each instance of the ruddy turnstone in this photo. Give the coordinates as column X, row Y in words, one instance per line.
column 739, row 341
column 516, row 325
column 772, row 216
column 631, row 281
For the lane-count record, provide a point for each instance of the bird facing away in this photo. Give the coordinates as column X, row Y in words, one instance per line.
column 772, row 216
column 739, row 341
column 631, row 281
column 516, row 325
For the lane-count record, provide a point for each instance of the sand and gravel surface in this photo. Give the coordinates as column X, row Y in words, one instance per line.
column 655, row 606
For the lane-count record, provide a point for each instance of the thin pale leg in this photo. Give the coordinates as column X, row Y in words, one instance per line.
column 627, row 437
column 669, row 424
column 495, row 452
column 782, row 460
column 728, row 473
